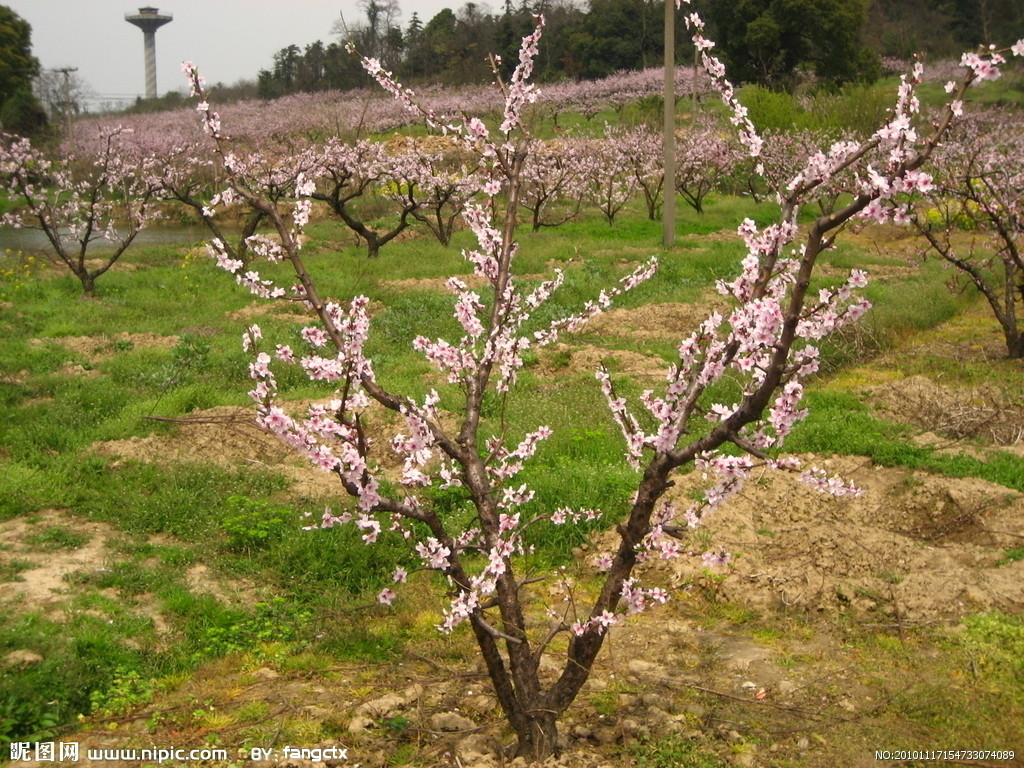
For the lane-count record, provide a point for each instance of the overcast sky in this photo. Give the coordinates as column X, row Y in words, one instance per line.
column 228, row 39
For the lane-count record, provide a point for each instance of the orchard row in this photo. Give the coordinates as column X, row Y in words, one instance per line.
column 109, row 187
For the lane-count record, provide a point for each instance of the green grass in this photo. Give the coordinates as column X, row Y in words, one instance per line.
column 56, row 537
column 840, row 423
column 243, row 523
column 1013, row 555
column 672, row 752
column 1007, row 91
column 11, row 570
column 77, row 658
column 969, row 682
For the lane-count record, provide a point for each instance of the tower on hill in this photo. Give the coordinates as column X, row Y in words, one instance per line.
column 149, row 20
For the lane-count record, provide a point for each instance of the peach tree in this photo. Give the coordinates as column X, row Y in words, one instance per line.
column 460, row 441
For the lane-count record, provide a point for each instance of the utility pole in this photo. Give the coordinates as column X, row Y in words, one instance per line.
column 668, row 210
column 693, row 83
column 66, row 71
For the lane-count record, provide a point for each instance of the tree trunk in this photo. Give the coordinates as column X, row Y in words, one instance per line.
column 372, row 245
column 538, row 736
column 1015, row 345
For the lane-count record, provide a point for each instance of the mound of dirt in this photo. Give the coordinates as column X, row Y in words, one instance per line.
column 979, row 413
column 473, row 282
column 228, row 436
column 292, row 311
column 559, row 359
column 657, row 321
column 914, row 547
column 100, row 348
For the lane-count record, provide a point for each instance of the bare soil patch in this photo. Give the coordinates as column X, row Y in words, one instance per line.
column 44, row 584
column 48, row 578
column 986, row 413
column 913, row 548
column 721, row 236
column 473, row 282
column 281, row 310
column 120, row 265
column 96, row 349
column 236, row 591
column 433, row 283
column 671, row 320
column 228, row 436
column 559, row 359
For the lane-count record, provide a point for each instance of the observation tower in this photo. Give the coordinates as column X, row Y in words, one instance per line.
column 149, row 20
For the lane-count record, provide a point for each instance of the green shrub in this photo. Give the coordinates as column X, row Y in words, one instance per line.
column 127, row 691
column 252, row 525
column 996, row 643
column 770, row 110
column 225, row 630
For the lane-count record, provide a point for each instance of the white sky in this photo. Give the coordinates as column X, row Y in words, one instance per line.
column 228, row 39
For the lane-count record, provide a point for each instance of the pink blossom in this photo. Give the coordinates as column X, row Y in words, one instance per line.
column 716, row 559
column 314, row 336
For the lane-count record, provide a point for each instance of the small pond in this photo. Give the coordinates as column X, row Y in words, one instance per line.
column 24, row 239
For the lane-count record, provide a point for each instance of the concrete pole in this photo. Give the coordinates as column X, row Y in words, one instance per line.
column 668, row 209
column 149, row 44
column 149, row 20
column 66, row 71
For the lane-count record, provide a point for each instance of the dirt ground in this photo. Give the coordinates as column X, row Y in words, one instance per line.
column 228, row 436
column 99, row 348
column 43, row 584
column 915, row 549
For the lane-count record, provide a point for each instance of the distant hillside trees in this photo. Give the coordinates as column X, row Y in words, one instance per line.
column 941, row 27
column 452, row 47
column 980, row 22
column 770, row 41
column 776, row 43
column 318, row 68
column 20, row 110
column 619, row 34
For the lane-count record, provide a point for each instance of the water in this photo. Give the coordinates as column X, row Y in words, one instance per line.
column 24, row 239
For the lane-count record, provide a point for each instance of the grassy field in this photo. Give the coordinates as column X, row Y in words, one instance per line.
column 175, row 570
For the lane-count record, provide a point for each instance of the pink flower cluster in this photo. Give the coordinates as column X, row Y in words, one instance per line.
column 748, row 135
column 763, row 343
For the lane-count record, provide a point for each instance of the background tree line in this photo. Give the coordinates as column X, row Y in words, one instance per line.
column 765, row 41
column 20, row 110
column 770, row 42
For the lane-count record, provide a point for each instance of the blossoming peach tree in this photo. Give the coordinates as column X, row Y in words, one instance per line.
column 767, row 342
column 980, row 189
column 84, row 197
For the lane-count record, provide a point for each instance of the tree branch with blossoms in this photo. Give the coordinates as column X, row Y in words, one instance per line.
column 767, row 342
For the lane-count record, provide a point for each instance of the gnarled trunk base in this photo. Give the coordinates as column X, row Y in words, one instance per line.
column 538, row 737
